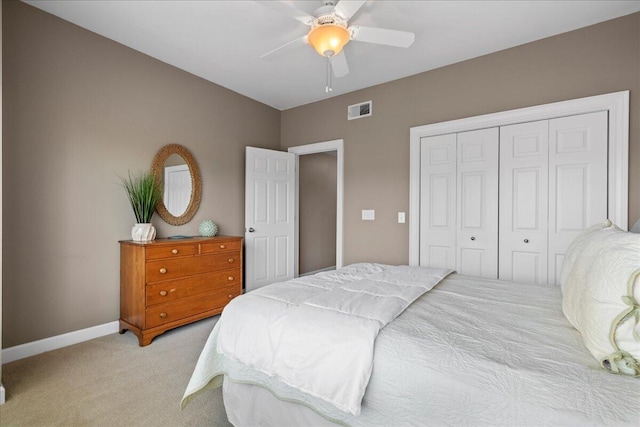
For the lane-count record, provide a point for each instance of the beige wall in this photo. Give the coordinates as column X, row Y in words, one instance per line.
column 317, row 207
column 79, row 111
column 595, row 60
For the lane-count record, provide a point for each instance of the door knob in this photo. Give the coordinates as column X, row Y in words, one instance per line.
column 473, row 238
column 526, row 240
column 251, row 230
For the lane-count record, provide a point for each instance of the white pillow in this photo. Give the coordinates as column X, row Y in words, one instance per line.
column 600, row 294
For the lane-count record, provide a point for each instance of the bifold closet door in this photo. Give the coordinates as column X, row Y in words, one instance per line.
column 553, row 185
column 524, row 153
column 577, row 181
column 459, row 202
column 438, row 201
column 477, row 207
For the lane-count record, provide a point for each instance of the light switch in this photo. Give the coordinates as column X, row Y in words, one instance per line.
column 401, row 218
column 368, row 214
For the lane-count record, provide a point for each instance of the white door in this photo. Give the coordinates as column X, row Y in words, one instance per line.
column 524, row 202
column 269, row 217
column 477, row 210
column 577, row 181
column 438, row 201
column 177, row 189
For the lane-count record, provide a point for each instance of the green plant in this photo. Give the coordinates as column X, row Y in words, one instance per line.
column 144, row 192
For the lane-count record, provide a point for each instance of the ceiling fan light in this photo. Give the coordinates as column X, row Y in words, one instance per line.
column 328, row 39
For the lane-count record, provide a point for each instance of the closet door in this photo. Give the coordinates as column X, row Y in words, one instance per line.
column 577, row 181
column 438, row 201
column 524, row 202
column 477, row 210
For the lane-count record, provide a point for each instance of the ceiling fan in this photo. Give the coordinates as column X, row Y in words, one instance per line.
column 330, row 32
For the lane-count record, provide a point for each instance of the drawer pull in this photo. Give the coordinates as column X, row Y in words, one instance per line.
column 163, row 315
column 230, row 278
column 231, row 260
column 163, row 270
column 222, row 247
column 174, row 251
column 230, row 296
column 163, row 293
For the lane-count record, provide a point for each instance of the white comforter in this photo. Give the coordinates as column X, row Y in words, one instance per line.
column 317, row 334
column 471, row 352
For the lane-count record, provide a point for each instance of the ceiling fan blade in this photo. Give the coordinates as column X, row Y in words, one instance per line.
column 382, row 36
column 339, row 65
column 290, row 10
column 293, row 43
column 345, row 9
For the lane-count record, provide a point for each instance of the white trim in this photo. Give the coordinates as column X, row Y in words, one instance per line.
column 616, row 104
column 2, row 395
column 21, row 351
column 323, row 147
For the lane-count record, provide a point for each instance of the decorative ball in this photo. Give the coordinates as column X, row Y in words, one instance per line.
column 208, row 228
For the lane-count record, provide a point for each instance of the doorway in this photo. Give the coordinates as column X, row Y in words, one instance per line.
column 319, row 220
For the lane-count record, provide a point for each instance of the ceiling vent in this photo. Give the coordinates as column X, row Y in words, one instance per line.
column 357, row 111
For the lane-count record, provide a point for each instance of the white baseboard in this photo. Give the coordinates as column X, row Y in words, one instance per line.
column 2, row 395
column 36, row 347
column 333, row 267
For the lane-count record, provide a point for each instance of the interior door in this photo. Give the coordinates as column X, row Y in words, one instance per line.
column 438, row 201
column 477, row 210
column 269, row 217
column 177, row 189
column 577, row 181
column 524, row 203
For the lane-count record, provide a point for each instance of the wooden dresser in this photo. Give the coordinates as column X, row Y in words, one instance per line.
column 168, row 283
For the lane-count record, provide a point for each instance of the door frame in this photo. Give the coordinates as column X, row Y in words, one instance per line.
column 617, row 106
column 336, row 145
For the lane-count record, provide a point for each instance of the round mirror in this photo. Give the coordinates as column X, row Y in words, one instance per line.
column 179, row 177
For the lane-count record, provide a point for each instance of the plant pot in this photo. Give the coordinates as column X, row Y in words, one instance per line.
column 143, row 232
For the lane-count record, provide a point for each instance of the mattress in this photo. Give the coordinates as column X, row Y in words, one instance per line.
column 469, row 352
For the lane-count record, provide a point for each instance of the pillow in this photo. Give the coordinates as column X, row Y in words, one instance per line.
column 600, row 292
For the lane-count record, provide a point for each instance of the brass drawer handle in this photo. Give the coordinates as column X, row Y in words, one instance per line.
column 230, row 296
column 163, row 270
column 174, row 251
column 222, row 246
column 230, row 260
column 230, row 278
column 163, row 315
column 163, row 293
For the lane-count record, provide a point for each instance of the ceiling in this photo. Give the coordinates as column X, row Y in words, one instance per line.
column 222, row 41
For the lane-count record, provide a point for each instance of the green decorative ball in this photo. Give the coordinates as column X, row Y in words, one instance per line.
column 208, row 228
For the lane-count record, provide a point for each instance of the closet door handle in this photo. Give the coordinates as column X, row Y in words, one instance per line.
column 473, row 238
column 526, row 240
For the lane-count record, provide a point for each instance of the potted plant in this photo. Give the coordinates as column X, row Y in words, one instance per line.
column 144, row 192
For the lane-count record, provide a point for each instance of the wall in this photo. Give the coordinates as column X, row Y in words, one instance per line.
column 317, row 208
column 2, row 391
column 85, row 110
column 599, row 59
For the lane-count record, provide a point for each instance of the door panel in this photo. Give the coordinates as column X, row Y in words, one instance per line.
column 438, row 201
column 477, row 209
column 577, row 181
column 524, row 202
column 269, row 217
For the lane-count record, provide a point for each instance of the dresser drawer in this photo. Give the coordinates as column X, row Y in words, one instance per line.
column 165, row 313
column 171, row 251
column 168, row 269
column 211, row 247
column 164, row 292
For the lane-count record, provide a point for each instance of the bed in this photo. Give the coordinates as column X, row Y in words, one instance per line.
column 466, row 351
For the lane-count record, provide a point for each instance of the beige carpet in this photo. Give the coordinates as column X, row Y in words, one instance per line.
column 111, row 381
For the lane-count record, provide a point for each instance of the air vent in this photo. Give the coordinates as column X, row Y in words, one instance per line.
column 357, row 111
